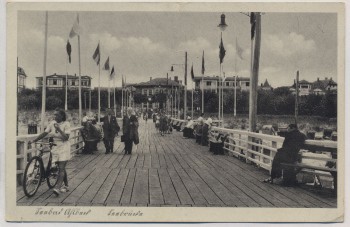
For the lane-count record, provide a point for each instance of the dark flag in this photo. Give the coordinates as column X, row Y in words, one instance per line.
column 203, row 68
column 96, row 55
column 192, row 74
column 69, row 50
column 112, row 74
column 222, row 51
column 106, row 65
column 252, row 23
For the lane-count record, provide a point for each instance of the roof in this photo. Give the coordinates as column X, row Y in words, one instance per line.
column 64, row 76
column 266, row 84
column 20, row 71
column 158, row 82
column 304, row 82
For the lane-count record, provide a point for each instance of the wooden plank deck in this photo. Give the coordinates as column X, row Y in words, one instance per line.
column 171, row 171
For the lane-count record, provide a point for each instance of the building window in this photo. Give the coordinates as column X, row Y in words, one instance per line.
column 54, row 82
column 227, row 84
column 84, row 83
column 145, row 91
column 197, row 83
column 150, row 92
column 247, row 84
column 208, row 83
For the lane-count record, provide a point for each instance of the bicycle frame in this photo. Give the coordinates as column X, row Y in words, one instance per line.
column 49, row 164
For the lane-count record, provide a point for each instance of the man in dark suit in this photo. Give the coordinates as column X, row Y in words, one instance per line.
column 130, row 130
column 110, row 130
column 292, row 143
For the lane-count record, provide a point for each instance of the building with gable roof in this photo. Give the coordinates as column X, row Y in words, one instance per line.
column 318, row 87
column 155, row 88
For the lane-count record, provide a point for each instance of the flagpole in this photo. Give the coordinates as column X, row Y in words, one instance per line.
column 175, row 102
column 43, row 98
column 172, row 101
column 203, row 83
column 122, row 107
column 109, row 92
column 114, row 103
column 99, row 84
column 185, row 93
column 219, row 94
column 65, row 98
column 235, row 91
column 255, row 76
column 80, row 103
column 192, row 101
column 222, row 95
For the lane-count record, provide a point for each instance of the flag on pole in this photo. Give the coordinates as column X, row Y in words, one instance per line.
column 239, row 50
column 222, row 51
column 192, row 74
column 203, row 68
column 106, row 65
column 252, row 23
column 76, row 29
column 96, row 55
column 69, row 51
column 112, row 73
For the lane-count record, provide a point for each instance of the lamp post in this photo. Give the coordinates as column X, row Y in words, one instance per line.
column 184, row 67
column 222, row 27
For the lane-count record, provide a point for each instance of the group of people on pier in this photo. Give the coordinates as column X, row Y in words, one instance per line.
column 108, row 130
column 162, row 123
column 92, row 133
column 198, row 129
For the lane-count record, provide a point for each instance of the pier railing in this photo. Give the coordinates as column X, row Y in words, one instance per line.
column 24, row 151
column 260, row 148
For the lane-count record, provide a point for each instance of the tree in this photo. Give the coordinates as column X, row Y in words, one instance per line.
column 53, row 102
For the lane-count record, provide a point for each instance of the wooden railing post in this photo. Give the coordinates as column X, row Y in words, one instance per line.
column 248, row 146
column 21, row 161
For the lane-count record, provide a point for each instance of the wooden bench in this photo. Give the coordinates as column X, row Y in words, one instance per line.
column 291, row 169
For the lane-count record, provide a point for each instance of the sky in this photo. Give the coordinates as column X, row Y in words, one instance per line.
column 145, row 44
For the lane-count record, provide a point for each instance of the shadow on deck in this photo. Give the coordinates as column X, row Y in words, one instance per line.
column 171, row 171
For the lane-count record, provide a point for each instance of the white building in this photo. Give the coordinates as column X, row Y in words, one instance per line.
column 212, row 83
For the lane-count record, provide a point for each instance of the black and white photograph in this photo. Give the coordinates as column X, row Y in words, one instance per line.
column 155, row 111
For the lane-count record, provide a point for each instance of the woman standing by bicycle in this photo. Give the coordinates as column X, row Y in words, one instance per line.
column 59, row 129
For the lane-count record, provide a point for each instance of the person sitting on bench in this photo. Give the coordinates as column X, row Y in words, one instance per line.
column 188, row 130
column 293, row 141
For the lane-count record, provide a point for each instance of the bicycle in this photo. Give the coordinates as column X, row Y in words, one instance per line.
column 35, row 172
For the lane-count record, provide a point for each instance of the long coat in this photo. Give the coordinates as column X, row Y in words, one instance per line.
column 130, row 128
column 110, row 128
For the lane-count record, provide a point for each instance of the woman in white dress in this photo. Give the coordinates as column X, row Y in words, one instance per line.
column 59, row 129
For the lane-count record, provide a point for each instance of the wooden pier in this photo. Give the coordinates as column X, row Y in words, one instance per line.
column 170, row 171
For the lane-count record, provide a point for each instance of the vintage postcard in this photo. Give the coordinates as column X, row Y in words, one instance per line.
column 175, row 112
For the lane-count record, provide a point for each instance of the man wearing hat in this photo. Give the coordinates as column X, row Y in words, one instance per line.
column 293, row 141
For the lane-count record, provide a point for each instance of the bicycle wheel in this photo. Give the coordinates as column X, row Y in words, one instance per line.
column 52, row 176
column 32, row 176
